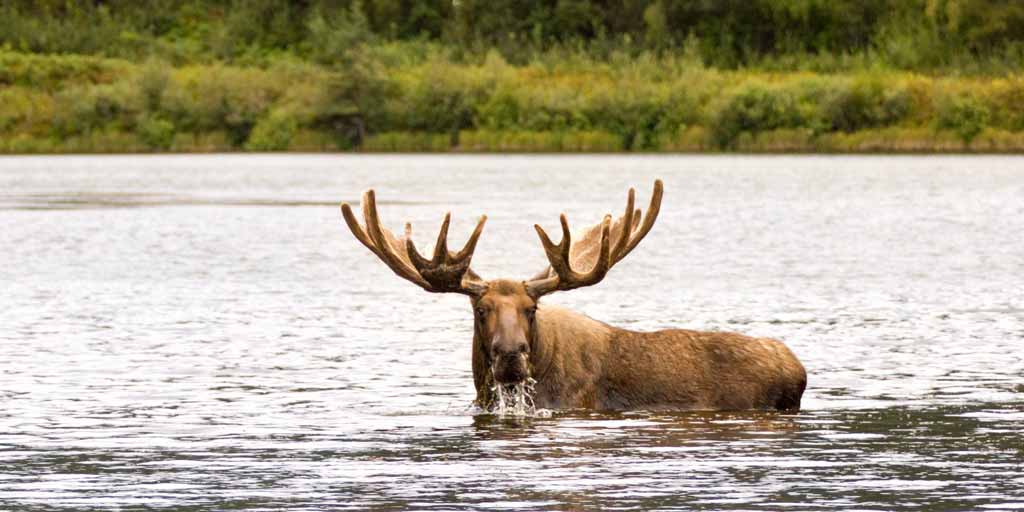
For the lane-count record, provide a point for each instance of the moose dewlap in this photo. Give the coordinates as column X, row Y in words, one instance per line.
column 571, row 360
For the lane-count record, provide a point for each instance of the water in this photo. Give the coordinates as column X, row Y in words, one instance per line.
column 202, row 332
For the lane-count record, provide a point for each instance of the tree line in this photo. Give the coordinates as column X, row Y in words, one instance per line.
column 906, row 34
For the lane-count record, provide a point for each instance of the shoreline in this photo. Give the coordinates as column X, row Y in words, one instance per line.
column 871, row 142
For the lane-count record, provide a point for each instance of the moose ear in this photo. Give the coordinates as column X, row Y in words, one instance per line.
column 538, row 288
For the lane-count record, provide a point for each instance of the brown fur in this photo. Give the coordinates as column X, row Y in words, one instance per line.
column 579, row 362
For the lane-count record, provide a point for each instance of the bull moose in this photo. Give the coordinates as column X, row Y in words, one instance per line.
column 575, row 361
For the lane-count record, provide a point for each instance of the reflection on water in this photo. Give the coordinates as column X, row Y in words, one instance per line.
column 202, row 332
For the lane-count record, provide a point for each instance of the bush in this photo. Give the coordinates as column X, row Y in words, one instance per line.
column 500, row 111
column 273, row 133
column 864, row 104
column 155, row 133
column 633, row 113
column 439, row 97
column 80, row 110
column 206, row 98
column 965, row 114
column 49, row 72
column 152, row 83
column 335, row 36
column 752, row 109
column 1006, row 102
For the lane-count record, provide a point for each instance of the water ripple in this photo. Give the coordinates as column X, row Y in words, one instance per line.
column 202, row 332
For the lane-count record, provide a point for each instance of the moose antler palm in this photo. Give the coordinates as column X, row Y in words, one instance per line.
column 577, row 361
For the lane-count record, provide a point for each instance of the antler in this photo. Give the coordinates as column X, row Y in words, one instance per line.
column 600, row 248
column 446, row 272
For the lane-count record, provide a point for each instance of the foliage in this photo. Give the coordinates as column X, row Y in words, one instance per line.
column 751, row 109
column 155, row 133
column 273, row 133
column 864, row 103
column 964, row 114
column 819, row 35
column 50, row 71
column 422, row 96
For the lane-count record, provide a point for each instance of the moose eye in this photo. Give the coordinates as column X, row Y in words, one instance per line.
column 481, row 312
column 531, row 312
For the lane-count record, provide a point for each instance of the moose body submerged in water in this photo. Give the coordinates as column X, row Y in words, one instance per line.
column 575, row 361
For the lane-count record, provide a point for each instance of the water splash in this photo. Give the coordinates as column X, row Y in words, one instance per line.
column 516, row 400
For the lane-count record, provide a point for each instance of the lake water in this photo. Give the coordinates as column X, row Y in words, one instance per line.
column 203, row 332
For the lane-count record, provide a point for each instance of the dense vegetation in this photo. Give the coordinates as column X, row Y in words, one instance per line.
column 566, row 75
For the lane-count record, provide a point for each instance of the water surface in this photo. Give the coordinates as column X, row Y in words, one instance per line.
column 202, row 332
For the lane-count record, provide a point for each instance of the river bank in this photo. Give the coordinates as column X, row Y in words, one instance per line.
column 400, row 100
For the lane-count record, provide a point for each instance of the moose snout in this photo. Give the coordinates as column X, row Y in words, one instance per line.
column 509, row 361
column 509, row 350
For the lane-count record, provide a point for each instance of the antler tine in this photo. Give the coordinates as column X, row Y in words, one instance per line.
column 355, row 228
column 467, row 250
column 648, row 222
column 441, row 247
column 603, row 261
column 557, row 254
column 565, row 246
column 415, row 257
column 627, row 225
column 385, row 248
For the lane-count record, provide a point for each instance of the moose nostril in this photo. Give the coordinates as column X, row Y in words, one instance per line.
column 523, row 348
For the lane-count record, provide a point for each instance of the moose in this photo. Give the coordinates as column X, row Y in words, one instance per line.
column 575, row 361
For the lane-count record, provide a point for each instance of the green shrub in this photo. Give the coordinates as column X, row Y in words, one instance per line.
column 1006, row 102
column 334, row 36
column 499, row 112
column 156, row 133
column 633, row 113
column 438, row 97
column 273, row 133
column 77, row 27
column 51, row 71
column 752, row 109
column 81, row 110
column 217, row 97
column 682, row 109
column 963, row 113
column 864, row 104
column 152, row 83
